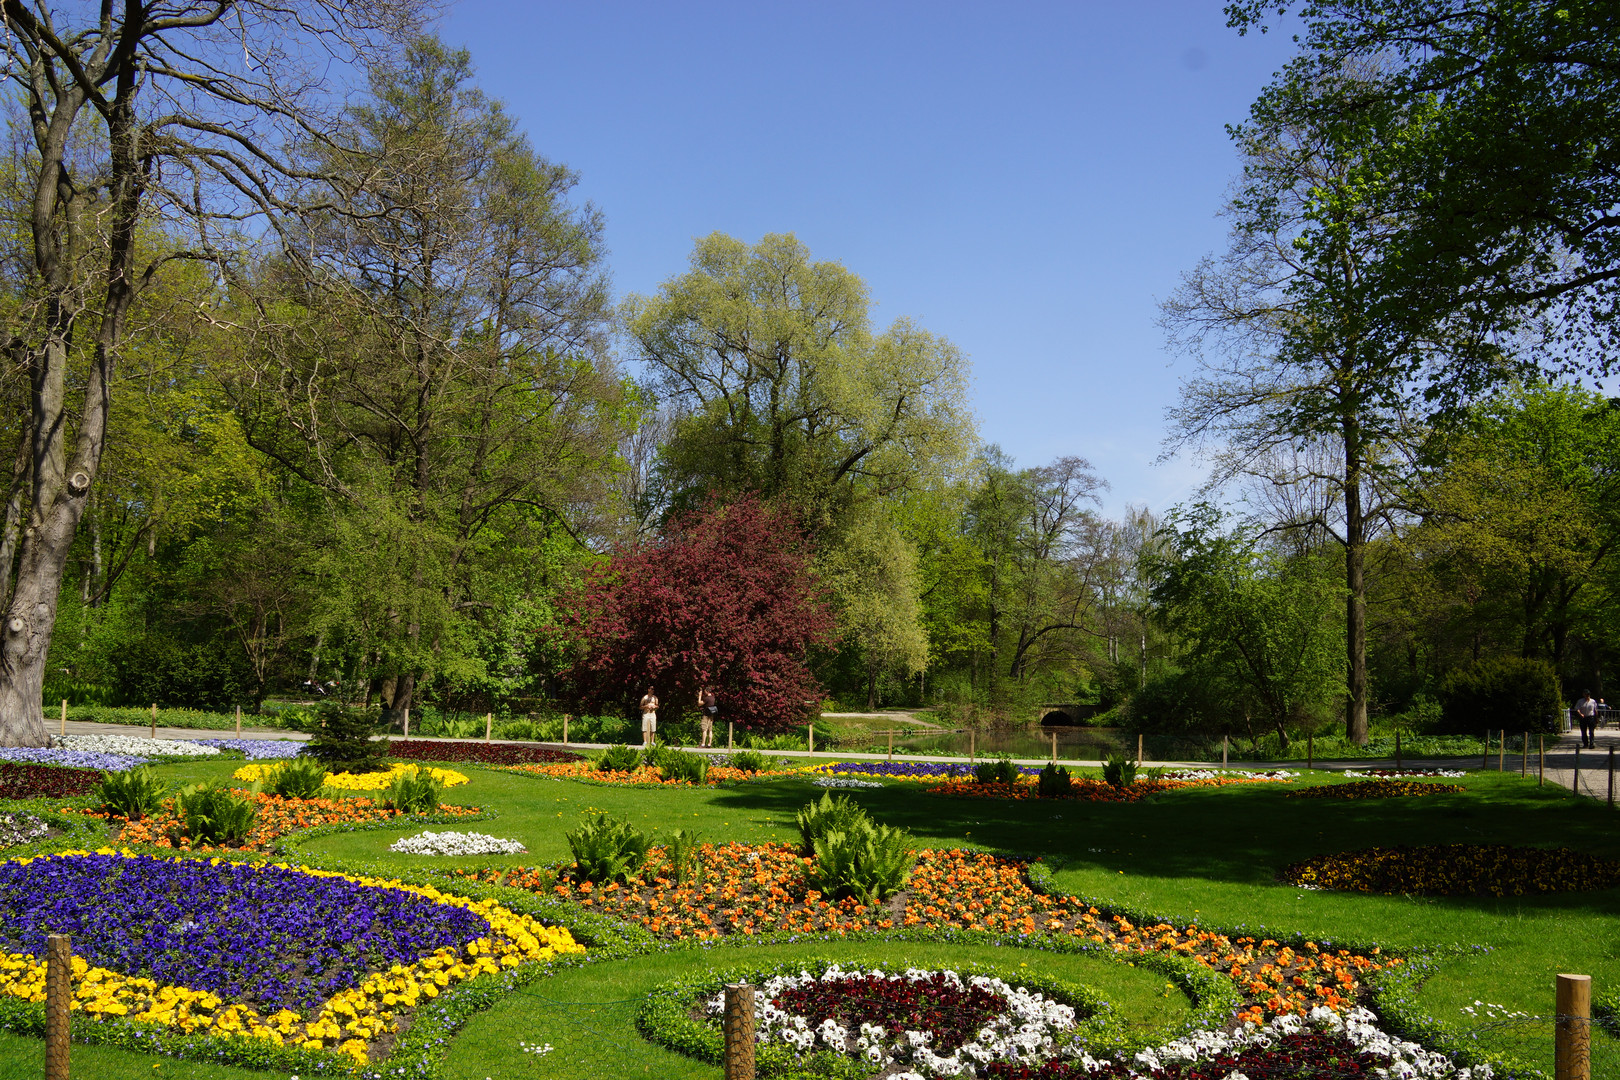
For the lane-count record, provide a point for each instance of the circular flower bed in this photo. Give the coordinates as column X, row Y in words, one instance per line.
column 842, row 1022
column 22, row 781
column 20, row 829
column 278, row 816
column 478, row 753
column 1405, row 774
column 845, row 782
column 256, row 749
column 908, row 770
column 70, row 759
column 642, row 775
column 296, row 957
column 1373, row 789
column 1456, row 870
column 372, row 781
column 744, row 891
column 127, row 744
column 455, row 843
column 1083, row 789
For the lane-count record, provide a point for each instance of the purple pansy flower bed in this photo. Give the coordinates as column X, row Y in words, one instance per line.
column 913, row 768
column 273, row 937
column 256, row 749
column 73, row 759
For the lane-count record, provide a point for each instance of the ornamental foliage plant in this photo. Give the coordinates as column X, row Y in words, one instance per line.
column 298, row 779
column 682, row 852
column 618, row 759
column 828, row 814
column 413, row 791
column 998, row 771
column 1054, row 781
column 749, row 761
column 866, row 862
column 1119, row 770
column 214, row 814
column 607, row 849
column 343, row 740
column 131, row 795
column 676, row 765
column 724, row 597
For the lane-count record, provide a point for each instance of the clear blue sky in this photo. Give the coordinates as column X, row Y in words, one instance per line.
column 1028, row 179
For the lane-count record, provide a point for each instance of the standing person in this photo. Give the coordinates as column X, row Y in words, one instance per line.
column 1586, row 712
column 649, row 718
column 708, row 706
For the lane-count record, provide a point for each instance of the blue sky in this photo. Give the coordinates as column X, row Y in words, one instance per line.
column 1027, row 179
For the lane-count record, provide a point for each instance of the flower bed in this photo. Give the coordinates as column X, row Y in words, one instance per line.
column 70, row 759
column 455, row 843
column 907, row 770
column 844, row 782
column 1404, row 774
column 1324, row 1045
column 742, row 890
column 256, row 749
column 374, row 781
column 477, row 753
column 21, row 829
column 136, row 747
column 1082, row 789
column 296, row 957
column 1374, row 789
column 277, row 817
column 644, row 775
column 23, row 781
column 1456, row 870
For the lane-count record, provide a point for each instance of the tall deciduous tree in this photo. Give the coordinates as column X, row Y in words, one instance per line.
column 724, row 598
column 174, row 109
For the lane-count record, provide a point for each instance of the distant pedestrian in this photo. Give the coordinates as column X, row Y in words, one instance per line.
column 708, row 707
column 1586, row 712
column 649, row 717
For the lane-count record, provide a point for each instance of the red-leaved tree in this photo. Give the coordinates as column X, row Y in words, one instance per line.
column 725, row 598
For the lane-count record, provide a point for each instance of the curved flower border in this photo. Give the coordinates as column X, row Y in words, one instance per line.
column 347, row 1022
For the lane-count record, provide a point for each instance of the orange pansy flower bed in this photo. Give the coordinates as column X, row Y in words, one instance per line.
column 641, row 775
column 278, row 816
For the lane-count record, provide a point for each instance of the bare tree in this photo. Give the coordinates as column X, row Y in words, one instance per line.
column 146, row 119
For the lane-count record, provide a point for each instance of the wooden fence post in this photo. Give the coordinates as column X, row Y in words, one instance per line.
column 1225, row 742
column 1541, row 761
column 1501, row 750
column 1611, row 778
column 407, row 722
column 489, row 726
column 810, row 736
column 565, row 729
column 739, row 1028
column 154, row 719
column 1139, row 748
column 731, row 731
column 64, row 716
column 1575, row 783
column 1310, row 750
column 1397, row 749
column 973, row 746
column 1572, row 1038
column 1524, row 756
column 239, row 721
column 1054, row 748
column 891, row 746
column 58, row 1003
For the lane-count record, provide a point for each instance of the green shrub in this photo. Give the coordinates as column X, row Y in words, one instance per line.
column 867, row 862
column 416, row 792
column 343, row 740
column 998, row 771
column 751, row 761
column 828, row 814
column 607, row 849
column 682, row 850
column 214, row 814
column 619, row 759
column 677, row 765
column 1054, row 782
column 1119, row 770
column 775, row 742
column 131, row 794
column 213, row 674
column 1508, row 692
column 300, row 778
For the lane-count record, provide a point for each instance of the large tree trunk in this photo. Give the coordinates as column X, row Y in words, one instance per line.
column 1355, row 601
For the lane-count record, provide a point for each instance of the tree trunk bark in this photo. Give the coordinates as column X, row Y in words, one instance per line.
column 1355, row 601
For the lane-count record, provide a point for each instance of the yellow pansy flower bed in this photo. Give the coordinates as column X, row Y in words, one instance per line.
column 347, row 1022
column 376, row 781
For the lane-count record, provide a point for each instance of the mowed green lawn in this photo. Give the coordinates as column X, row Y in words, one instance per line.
column 1210, row 855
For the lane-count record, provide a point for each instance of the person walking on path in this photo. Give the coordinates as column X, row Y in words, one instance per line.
column 708, row 706
column 1586, row 712
column 649, row 718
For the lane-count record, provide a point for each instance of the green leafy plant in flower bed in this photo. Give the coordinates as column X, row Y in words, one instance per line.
column 131, row 794
column 828, row 814
column 618, row 759
column 1119, row 770
column 1373, row 789
column 1054, row 782
column 608, row 849
column 996, row 771
column 749, row 761
column 300, row 778
column 676, row 765
column 413, row 793
column 1456, row 870
column 214, row 814
column 869, row 863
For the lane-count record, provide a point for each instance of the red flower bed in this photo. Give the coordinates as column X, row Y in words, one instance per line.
column 1373, row 789
column 936, row 1004
column 477, row 752
column 19, row 780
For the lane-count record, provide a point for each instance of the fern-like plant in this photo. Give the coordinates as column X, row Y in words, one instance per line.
column 827, row 815
column 868, row 862
column 682, row 850
column 214, row 814
column 1054, row 782
column 300, row 778
column 415, row 792
column 131, row 794
column 750, row 761
column 1119, row 770
column 618, row 759
column 678, row 765
column 607, row 849
column 997, row 771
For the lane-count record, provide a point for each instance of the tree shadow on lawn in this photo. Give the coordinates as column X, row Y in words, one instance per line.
column 1240, row 835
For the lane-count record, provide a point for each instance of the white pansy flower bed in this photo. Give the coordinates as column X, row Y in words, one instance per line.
column 1228, row 774
column 1409, row 774
column 844, row 782
column 1026, row 1032
column 127, row 744
column 456, row 843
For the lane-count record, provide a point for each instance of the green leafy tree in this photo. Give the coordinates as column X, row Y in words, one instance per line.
column 872, row 570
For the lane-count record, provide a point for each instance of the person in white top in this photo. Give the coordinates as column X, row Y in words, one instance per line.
column 1586, row 712
column 649, row 717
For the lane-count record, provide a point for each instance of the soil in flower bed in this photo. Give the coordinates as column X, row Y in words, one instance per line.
column 23, row 781
column 744, row 890
column 477, row 752
column 1083, row 789
column 642, row 775
column 1374, row 789
column 1456, row 870
column 278, row 816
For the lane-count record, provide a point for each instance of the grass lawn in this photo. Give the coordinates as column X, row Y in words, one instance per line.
column 1204, row 855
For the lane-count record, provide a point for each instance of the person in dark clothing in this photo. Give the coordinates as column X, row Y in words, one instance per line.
column 708, row 707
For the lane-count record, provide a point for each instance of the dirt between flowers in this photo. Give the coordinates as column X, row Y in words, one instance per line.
column 745, row 890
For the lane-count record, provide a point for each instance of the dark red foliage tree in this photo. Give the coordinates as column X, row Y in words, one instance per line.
column 725, row 597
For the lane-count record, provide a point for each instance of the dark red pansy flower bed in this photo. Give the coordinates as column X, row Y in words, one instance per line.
column 1309, row 1056
column 20, row 780
column 1373, row 789
column 936, row 1004
column 478, row 753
